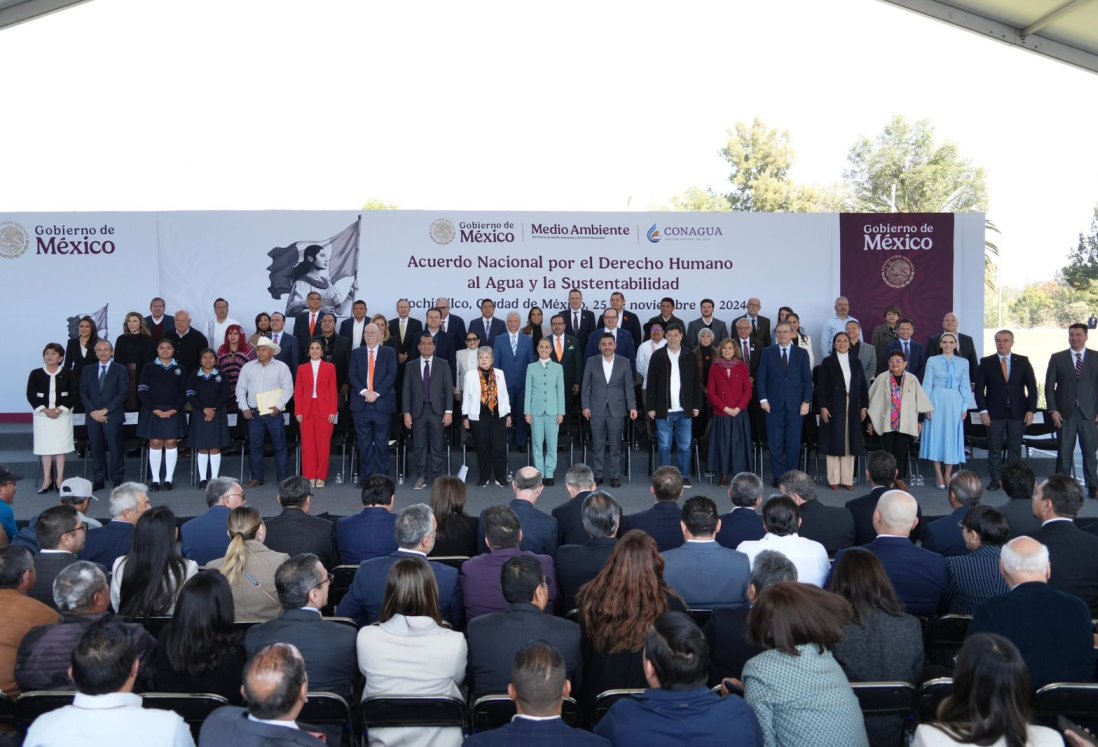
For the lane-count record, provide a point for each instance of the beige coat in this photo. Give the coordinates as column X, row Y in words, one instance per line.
column 254, row 602
column 913, row 403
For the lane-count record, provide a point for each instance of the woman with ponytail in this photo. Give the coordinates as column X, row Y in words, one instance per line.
column 250, row 567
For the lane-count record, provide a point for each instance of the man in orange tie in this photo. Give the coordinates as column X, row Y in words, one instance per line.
column 566, row 352
column 307, row 324
column 373, row 401
column 1006, row 396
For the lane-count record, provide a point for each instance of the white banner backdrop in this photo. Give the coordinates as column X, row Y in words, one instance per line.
column 65, row 264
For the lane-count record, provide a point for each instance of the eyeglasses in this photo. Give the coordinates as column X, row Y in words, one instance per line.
column 241, row 495
column 328, row 580
column 81, row 527
column 472, row 339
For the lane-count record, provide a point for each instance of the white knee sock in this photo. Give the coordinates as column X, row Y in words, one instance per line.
column 203, row 463
column 215, row 465
column 169, row 463
column 155, row 456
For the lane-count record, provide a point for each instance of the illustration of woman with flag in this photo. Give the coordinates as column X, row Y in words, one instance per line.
column 329, row 268
column 311, row 274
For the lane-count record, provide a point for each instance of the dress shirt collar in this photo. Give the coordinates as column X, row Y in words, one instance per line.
column 534, row 718
column 273, row 722
column 1056, row 519
column 107, row 701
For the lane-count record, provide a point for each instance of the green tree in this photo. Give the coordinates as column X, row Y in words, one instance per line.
column 698, row 200
column 1035, row 307
column 760, row 158
column 1082, row 266
column 375, row 204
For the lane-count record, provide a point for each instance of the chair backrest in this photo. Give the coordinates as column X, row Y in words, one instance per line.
column 454, row 561
column 931, row 694
column 607, row 698
column 700, row 616
column 944, row 637
column 30, row 706
column 341, row 621
column 1077, row 701
column 493, row 711
column 396, row 710
column 152, row 624
column 7, row 710
column 879, row 698
column 324, row 708
column 193, row 707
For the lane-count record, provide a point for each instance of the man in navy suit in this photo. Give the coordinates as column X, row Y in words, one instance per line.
column 115, row 539
column 206, row 537
column 705, row 574
column 289, row 351
column 487, row 326
column 627, row 320
column 626, row 345
column 414, row 530
column 353, row 328
column 452, row 324
column 539, row 529
column 1006, row 396
column 662, row 522
column 944, row 536
column 369, row 533
column 578, row 321
column 743, row 522
column 103, row 391
column 1074, row 553
column 784, row 385
column 579, row 482
column 913, row 351
column 444, row 346
column 514, row 351
column 373, row 400
column 880, row 472
column 918, row 575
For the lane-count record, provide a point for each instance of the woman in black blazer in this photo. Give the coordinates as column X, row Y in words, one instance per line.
column 80, row 352
column 51, row 392
column 842, row 397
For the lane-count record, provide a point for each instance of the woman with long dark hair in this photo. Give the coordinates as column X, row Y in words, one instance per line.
column 456, row 531
column 262, row 327
column 133, row 349
column 52, row 394
column 80, row 352
column 990, row 702
column 146, row 582
column 535, row 324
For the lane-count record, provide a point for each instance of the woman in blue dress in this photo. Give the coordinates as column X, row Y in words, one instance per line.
column 946, row 382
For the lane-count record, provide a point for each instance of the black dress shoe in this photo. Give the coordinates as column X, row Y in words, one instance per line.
column 45, row 489
column 166, row 486
column 547, row 482
column 520, row 449
column 202, row 484
column 154, row 487
column 1092, row 492
column 599, row 480
column 98, row 485
column 994, row 485
column 615, row 483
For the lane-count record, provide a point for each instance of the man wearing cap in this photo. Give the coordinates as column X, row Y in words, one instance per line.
column 270, row 377
column 77, row 492
column 7, row 496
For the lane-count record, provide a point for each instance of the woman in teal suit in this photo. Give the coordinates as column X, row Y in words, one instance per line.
column 544, row 408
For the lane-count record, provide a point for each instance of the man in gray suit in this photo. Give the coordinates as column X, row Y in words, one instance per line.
column 862, row 350
column 428, row 409
column 706, row 320
column 607, row 397
column 1071, row 391
column 705, row 574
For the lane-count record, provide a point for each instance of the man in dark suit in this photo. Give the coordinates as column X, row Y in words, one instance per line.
column 414, row 530
column 566, row 351
column 578, row 321
column 158, row 322
column 444, row 345
column 487, row 326
column 673, row 366
column 1019, row 483
column 337, row 351
column 784, row 386
column 744, row 522
column 664, row 318
column 751, row 353
column 705, row 574
column 294, row 531
column 580, row 562
column 404, row 331
column 538, row 685
column 624, row 343
column 608, row 397
column 1071, row 391
column 276, row 687
column 206, row 537
column 1006, row 396
column 918, row 575
column 1073, row 552
column 662, row 522
column 351, row 329
column 1052, row 630
column 115, row 538
column 428, row 408
column 915, row 352
column 705, row 321
column 495, row 638
column 61, row 535
column 480, row 575
column 966, row 348
column 452, row 324
column 944, row 535
column 373, row 378
column 289, row 351
column 880, row 472
column 514, row 352
column 307, row 325
column 302, row 584
column 627, row 320
column 760, row 325
column 369, row 533
column 103, row 391
column 579, row 482
column 831, row 526
column 189, row 342
column 539, row 529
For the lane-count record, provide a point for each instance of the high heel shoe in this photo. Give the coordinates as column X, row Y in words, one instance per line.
column 46, row 489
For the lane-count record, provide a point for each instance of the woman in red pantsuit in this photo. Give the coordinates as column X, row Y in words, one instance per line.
column 316, row 406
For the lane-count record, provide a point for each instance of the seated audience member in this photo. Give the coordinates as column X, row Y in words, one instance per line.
column 204, row 537
column 782, row 519
column 369, row 533
column 538, row 685
column 146, row 581
column 21, row 613
column 411, row 653
column 918, row 575
column 1051, row 629
column 106, row 544
column 1073, row 552
column 799, row 692
column 328, row 647
column 662, row 522
column 61, row 536
column 616, row 611
column 495, row 639
column 200, row 650
column 82, row 596
column 703, row 573
column 744, row 521
column 480, row 576
column 676, row 661
column 579, row 482
column 250, row 567
column 456, row 532
column 726, row 628
column 990, row 702
column 881, row 473
column 539, row 529
column 415, row 536
column 105, row 709
column 294, row 531
column 944, row 535
column 77, row 492
column 974, row 578
column 880, row 642
column 831, row 526
column 1019, row 483
column 578, row 564
column 276, row 689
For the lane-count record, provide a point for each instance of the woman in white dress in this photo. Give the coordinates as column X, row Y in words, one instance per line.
column 52, row 392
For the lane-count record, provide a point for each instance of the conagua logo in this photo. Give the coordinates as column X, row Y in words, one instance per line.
column 654, row 234
column 442, row 231
column 898, row 271
column 14, row 241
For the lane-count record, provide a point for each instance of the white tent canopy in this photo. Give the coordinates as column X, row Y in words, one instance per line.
column 17, row 11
